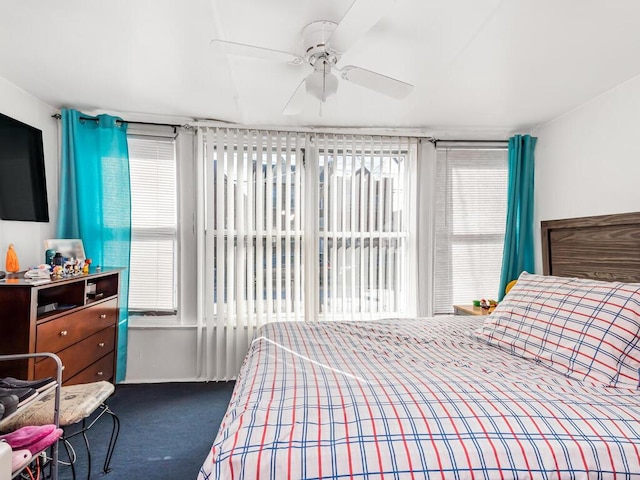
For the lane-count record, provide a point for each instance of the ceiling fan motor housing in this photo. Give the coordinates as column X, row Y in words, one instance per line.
column 315, row 37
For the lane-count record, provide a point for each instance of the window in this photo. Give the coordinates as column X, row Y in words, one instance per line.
column 152, row 163
column 345, row 261
column 471, row 206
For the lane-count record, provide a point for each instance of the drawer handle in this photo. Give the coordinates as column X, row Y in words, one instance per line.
column 103, row 315
column 101, row 344
column 64, row 333
column 100, row 374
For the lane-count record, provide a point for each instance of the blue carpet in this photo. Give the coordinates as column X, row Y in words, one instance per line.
column 166, row 431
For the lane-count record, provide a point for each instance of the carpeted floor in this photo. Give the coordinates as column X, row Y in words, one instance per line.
column 166, row 431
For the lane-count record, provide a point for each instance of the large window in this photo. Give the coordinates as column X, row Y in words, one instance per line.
column 153, row 276
column 471, row 202
column 292, row 238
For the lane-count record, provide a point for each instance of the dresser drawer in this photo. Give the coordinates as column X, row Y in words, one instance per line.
column 101, row 370
column 56, row 335
column 79, row 355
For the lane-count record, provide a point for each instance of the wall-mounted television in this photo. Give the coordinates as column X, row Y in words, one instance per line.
column 23, row 186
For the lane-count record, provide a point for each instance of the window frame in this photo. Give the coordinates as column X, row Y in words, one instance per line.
column 185, row 261
column 313, row 238
column 440, row 306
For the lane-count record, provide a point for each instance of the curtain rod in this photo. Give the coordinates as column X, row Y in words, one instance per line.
column 58, row 117
column 436, row 140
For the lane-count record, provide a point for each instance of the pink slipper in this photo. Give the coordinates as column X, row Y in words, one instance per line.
column 25, row 436
column 45, row 442
column 20, row 459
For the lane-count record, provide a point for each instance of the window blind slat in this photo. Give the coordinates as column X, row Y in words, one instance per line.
column 220, row 252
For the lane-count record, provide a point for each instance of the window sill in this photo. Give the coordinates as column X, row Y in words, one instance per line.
column 153, row 321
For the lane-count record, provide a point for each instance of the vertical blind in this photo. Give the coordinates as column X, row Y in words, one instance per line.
column 153, row 224
column 254, row 253
column 300, row 227
column 362, row 226
column 471, row 203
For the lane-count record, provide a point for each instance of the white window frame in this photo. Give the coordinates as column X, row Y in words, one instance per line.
column 185, row 265
column 379, row 150
column 367, row 151
column 443, row 289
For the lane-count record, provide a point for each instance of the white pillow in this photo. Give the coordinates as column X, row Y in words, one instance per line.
column 585, row 329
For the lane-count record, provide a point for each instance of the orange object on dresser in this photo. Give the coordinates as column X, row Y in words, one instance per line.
column 12, row 264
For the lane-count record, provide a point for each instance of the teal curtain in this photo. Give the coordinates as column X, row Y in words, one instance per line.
column 518, row 254
column 95, row 200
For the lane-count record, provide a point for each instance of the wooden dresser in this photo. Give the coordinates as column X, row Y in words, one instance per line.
column 76, row 318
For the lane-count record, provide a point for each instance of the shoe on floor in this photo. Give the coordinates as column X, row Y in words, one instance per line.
column 45, row 442
column 39, row 385
column 10, row 403
column 26, row 436
column 22, row 393
column 20, row 459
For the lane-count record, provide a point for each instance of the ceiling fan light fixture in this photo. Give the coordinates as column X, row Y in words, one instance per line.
column 321, row 83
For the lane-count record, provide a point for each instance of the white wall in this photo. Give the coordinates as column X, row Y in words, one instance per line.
column 161, row 354
column 28, row 237
column 588, row 160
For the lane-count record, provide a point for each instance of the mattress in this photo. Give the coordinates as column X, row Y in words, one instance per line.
column 415, row 398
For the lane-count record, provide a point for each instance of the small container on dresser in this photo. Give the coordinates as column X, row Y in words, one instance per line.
column 470, row 310
column 76, row 318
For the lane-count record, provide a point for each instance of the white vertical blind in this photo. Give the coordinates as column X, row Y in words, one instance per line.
column 253, row 239
column 300, row 227
column 152, row 163
column 362, row 227
column 471, row 205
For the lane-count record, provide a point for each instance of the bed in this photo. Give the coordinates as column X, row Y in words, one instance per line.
column 544, row 388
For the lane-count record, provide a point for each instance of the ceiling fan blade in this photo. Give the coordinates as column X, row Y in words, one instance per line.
column 296, row 103
column 376, row 81
column 252, row 51
column 359, row 19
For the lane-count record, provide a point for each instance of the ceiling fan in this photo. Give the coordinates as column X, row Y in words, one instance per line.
column 324, row 43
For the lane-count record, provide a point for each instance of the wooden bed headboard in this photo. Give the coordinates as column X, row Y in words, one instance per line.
column 604, row 247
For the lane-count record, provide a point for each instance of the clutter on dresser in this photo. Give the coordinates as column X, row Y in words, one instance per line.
column 39, row 273
column 12, row 263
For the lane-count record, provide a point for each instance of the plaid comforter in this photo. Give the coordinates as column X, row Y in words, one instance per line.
column 416, row 398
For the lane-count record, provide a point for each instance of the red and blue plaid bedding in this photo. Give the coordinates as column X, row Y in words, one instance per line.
column 584, row 329
column 415, row 399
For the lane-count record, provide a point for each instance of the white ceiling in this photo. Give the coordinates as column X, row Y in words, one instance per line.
column 477, row 65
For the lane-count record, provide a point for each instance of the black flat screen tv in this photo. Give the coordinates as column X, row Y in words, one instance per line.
column 23, row 186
